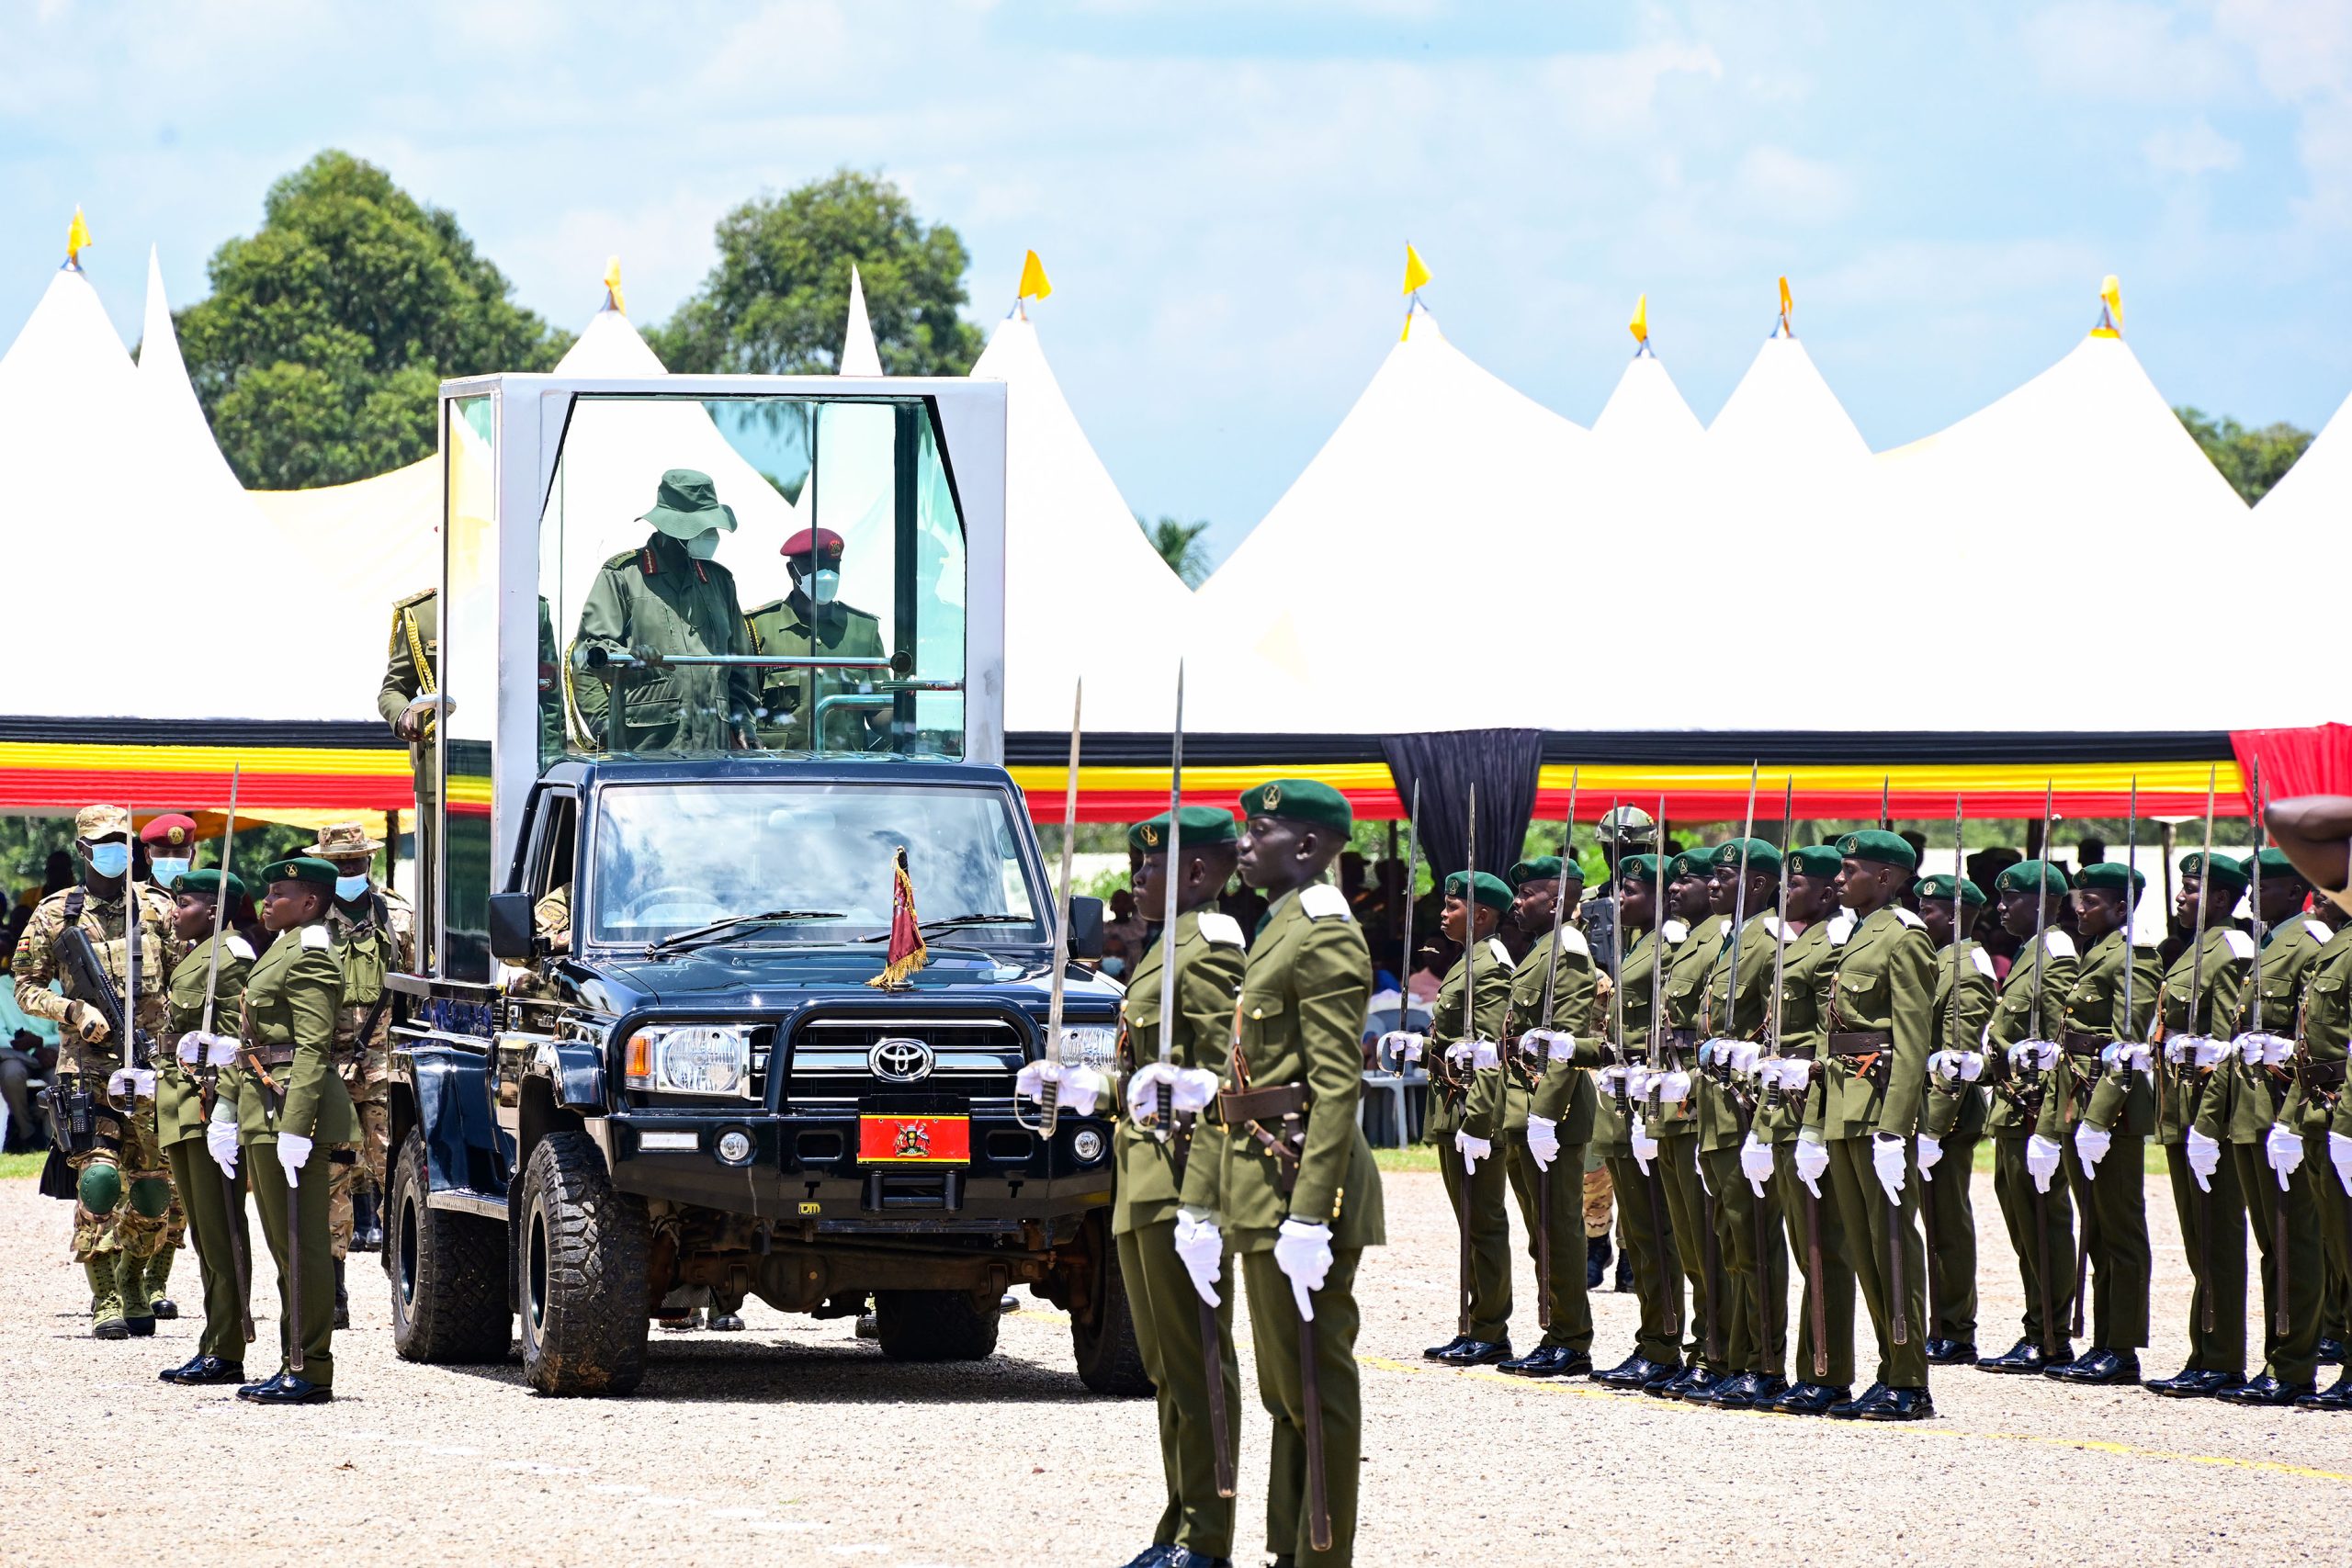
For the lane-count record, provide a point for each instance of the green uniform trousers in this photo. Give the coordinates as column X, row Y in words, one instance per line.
column 1863, row 1211
column 1647, row 1235
column 1948, row 1212
column 1692, row 1214
column 211, row 1215
column 1754, row 1267
column 2048, row 1246
column 1834, row 1288
column 2115, row 1231
column 2224, row 1348
column 1488, row 1224
column 267, row 1179
column 1274, row 1331
column 1571, row 1314
column 2292, row 1356
column 1167, row 1313
column 2327, row 1192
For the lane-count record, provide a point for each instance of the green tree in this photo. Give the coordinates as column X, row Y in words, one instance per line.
column 317, row 353
column 774, row 304
column 1179, row 545
column 2252, row 460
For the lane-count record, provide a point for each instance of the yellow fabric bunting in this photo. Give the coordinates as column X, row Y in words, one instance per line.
column 1640, row 325
column 2110, row 316
column 1034, row 284
column 77, row 239
column 612, row 285
column 1416, row 275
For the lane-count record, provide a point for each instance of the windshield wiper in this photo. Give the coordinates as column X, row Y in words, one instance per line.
column 733, row 921
column 961, row 921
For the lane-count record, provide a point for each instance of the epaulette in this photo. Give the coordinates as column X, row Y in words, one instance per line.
column 627, row 558
column 413, row 600
column 2058, row 944
column 1983, row 961
column 1218, row 927
column 2317, row 931
column 2150, row 939
column 315, row 936
column 1321, row 901
column 2240, row 944
column 238, row 947
column 1909, row 918
column 1676, row 932
column 1841, row 927
column 1497, row 952
column 1572, row 941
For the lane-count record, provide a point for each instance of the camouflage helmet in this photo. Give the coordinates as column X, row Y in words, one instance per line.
column 1628, row 825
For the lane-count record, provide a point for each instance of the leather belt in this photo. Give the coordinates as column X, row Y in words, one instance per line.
column 1236, row 1106
column 268, row 1056
column 2079, row 1043
column 1860, row 1042
column 2320, row 1074
column 1796, row 1052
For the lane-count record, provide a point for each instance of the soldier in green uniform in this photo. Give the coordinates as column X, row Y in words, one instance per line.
column 2108, row 1109
column 810, row 621
column 412, row 670
column 2322, row 1111
column 161, row 857
column 1548, row 1111
column 216, row 1208
column 1645, row 1229
column 1667, row 1127
column 1290, row 1178
column 1877, row 1004
column 1819, row 932
column 122, row 1188
column 668, row 598
column 2024, row 1122
column 2199, row 995
column 288, row 1108
column 1952, row 1122
column 1197, row 1525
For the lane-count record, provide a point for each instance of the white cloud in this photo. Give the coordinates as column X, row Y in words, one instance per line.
column 2195, row 148
column 1776, row 183
column 2120, row 51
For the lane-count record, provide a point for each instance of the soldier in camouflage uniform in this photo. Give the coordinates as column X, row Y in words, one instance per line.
column 122, row 1188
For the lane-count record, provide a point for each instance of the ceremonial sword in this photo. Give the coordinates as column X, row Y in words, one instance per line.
column 1551, row 978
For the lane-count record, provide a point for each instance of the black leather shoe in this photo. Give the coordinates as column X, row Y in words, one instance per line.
column 1736, row 1391
column 1633, row 1371
column 2190, row 1384
column 1950, row 1353
column 1663, row 1379
column 1185, row 1557
column 165, row 1308
column 2339, row 1397
column 1810, row 1399
column 287, row 1389
column 139, row 1327
column 2096, row 1367
column 1596, row 1261
column 2331, row 1352
column 1846, row 1410
column 201, row 1369
column 1548, row 1361
column 252, row 1388
column 1899, row 1404
column 1694, row 1378
column 2025, row 1356
column 1440, row 1352
column 2264, row 1389
column 1476, row 1353
column 1150, row 1556
column 729, row 1323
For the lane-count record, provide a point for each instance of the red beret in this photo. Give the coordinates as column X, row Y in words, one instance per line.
column 809, row 541
column 173, row 830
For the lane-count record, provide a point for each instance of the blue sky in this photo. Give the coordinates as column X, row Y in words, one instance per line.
column 1223, row 191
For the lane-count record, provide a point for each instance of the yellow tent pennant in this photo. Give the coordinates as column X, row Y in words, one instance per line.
column 1416, row 272
column 77, row 239
column 1640, row 325
column 612, row 285
column 1788, row 307
column 2110, row 313
column 1034, row 284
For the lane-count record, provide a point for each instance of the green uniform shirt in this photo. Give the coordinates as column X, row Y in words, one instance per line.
column 1454, row 1103
column 2094, row 1005
column 2289, row 950
column 2215, row 973
column 1612, row 1131
column 1562, row 1093
column 795, row 625
column 2320, row 1036
column 414, row 656
column 1210, row 955
column 1965, row 988
column 1885, row 980
column 1733, row 1010
column 1800, row 1027
column 179, row 1108
column 291, row 994
column 657, row 596
column 1686, row 1000
column 2012, row 1021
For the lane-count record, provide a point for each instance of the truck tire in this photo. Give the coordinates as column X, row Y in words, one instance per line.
column 449, row 1272
column 1110, row 1361
column 583, row 1257
column 934, row 1325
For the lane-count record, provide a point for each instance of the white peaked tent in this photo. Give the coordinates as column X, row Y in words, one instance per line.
column 2303, row 526
column 859, row 356
column 1646, row 420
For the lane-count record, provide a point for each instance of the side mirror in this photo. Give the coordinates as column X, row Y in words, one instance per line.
column 512, row 938
column 1085, row 927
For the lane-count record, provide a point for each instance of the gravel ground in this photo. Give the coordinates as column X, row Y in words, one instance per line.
column 798, row 1443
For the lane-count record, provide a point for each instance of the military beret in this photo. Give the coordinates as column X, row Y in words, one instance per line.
column 1299, row 800
column 814, row 542
column 1544, row 868
column 209, row 881
column 173, row 830
column 1878, row 844
column 1690, row 863
column 301, row 868
column 2225, row 872
column 2112, row 876
column 1196, row 826
column 1486, row 888
column 1939, row 887
column 1761, row 856
column 2024, row 877
column 1816, row 860
column 94, row 822
column 1638, row 868
column 2276, row 863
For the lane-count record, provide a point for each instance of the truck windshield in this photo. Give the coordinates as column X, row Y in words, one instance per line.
column 669, row 858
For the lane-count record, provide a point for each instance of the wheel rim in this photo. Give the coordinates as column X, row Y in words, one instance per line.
column 535, row 1271
column 405, row 1245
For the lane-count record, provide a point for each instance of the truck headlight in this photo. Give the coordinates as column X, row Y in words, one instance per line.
column 690, row 1059
column 1090, row 1045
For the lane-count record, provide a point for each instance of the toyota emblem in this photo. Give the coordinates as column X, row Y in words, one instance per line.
column 900, row 1059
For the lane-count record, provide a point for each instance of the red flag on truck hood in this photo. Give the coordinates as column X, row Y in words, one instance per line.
column 906, row 953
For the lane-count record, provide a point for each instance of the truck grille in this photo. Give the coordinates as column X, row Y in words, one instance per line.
column 831, row 1058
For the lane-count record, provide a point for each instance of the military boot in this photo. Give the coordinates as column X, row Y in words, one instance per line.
column 366, row 1218
column 105, row 1298
column 157, row 1289
column 130, row 1290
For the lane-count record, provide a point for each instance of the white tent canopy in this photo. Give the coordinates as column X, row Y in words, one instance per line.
column 1646, row 420
column 859, row 356
column 2304, row 525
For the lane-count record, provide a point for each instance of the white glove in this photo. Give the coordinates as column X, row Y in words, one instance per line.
column 1755, row 1163
column 1944, row 1065
column 1543, row 1141
column 1401, row 1045
column 2041, row 1160
column 191, row 1045
column 2039, row 1055
column 221, row 1143
column 1671, row 1088
column 1186, row 1089
column 2247, row 1048
column 1645, row 1147
column 2266, row 1050
column 1745, row 1055
column 1458, row 1053
column 1795, row 1074
column 2204, row 1160
column 2178, row 1048
column 2092, row 1144
column 1886, row 1159
column 1557, row 1045
column 1716, row 1053
column 2339, row 1155
column 1931, row 1155
column 1971, row 1065
column 1201, row 1247
column 1607, row 1079
column 1472, row 1151
column 1812, row 1161
column 1486, row 1055
column 1303, row 1252
column 293, row 1151
column 2125, row 1056
column 137, row 1083
column 1080, row 1086
column 2284, row 1150
column 2211, row 1052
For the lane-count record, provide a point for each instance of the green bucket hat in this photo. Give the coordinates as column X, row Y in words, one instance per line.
column 686, row 504
column 1486, row 888
column 1197, row 825
column 1939, row 887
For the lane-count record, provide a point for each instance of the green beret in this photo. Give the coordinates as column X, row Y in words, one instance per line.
column 2227, row 872
column 1761, row 856
column 1198, row 826
column 1690, row 863
column 2276, row 863
column 1542, row 868
column 1638, row 868
column 301, row 868
column 1939, row 887
column 2112, row 876
column 209, row 881
column 1878, row 844
column 1816, row 859
column 2024, row 877
column 1487, row 888
column 1299, row 800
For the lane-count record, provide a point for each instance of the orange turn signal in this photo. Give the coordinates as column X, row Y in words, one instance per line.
column 638, row 1067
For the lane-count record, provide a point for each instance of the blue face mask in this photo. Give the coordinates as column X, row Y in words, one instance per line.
column 1114, row 966
column 108, row 860
column 167, row 870
column 704, row 546
column 349, row 888
column 824, row 585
